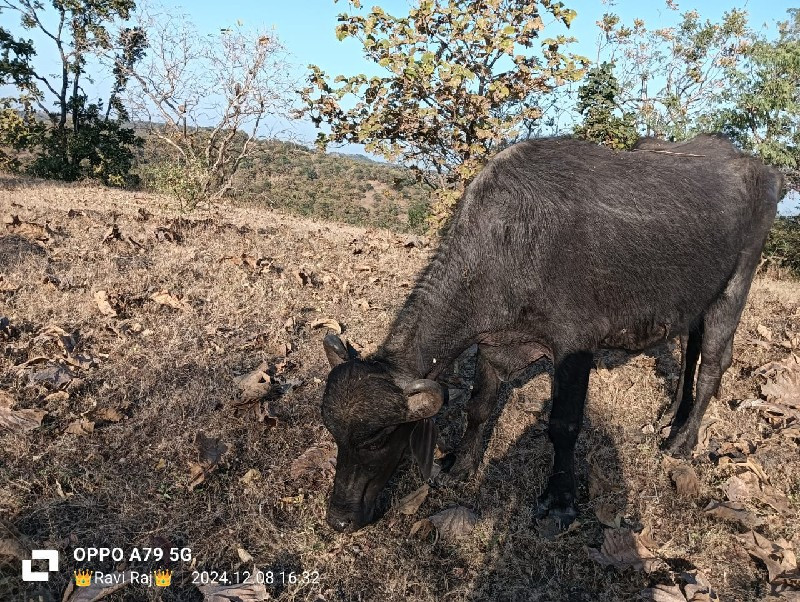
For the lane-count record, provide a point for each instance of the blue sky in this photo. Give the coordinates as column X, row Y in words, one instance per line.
column 306, row 28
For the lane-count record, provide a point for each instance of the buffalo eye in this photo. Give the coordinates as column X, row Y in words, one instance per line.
column 378, row 440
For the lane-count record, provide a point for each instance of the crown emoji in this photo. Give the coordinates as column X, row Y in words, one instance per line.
column 163, row 577
column 83, row 578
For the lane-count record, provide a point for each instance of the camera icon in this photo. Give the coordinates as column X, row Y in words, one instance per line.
column 51, row 556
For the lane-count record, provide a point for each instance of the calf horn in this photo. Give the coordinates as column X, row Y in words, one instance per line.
column 425, row 397
column 335, row 350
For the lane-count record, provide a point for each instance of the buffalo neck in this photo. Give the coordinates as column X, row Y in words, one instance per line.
column 435, row 325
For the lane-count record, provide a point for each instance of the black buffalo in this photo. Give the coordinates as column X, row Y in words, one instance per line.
column 557, row 248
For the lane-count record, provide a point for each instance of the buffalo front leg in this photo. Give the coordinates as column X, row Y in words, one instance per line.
column 465, row 459
column 570, row 383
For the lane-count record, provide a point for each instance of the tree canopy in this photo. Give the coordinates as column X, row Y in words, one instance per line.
column 460, row 79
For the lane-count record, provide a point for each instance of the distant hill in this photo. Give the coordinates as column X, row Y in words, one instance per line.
column 337, row 186
column 356, row 157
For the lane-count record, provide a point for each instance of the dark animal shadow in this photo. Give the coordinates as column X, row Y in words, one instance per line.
column 14, row 249
column 530, row 559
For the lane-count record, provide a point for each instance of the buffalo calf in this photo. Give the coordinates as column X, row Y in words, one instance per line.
column 557, row 248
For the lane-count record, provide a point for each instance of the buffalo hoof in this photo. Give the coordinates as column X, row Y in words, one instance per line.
column 680, row 445
column 457, row 467
column 559, row 506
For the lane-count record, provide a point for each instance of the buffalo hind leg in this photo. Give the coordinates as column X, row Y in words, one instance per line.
column 676, row 416
column 463, row 462
column 570, row 382
column 716, row 360
column 719, row 325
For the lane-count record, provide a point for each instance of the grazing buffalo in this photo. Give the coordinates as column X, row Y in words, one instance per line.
column 557, row 248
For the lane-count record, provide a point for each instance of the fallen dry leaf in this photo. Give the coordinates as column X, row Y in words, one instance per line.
column 622, row 548
column 53, row 375
column 792, row 432
column 748, row 486
column 784, row 593
column 734, row 512
column 694, row 587
column 210, row 451
column 608, row 514
column 112, row 233
column 764, row 332
column 103, row 304
column 411, row 503
column 80, row 427
column 80, row 360
column 778, row 556
column 783, row 381
column 169, row 300
column 329, row 323
column 108, row 414
column 455, row 522
column 663, row 593
column 705, row 432
column 422, row 529
column 683, row 476
column 775, row 413
column 245, row 592
column 698, row 588
column 254, row 385
column 314, row 459
column 251, row 476
column 95, row 591
column 17, row 421
column 27, row 229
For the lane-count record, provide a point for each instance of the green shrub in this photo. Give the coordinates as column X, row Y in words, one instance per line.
column 783, row 245
column 100, row 149
column 418, row 213
column 19, row 131
column 182, row 181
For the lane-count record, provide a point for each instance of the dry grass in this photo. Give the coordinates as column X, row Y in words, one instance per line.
column 170, row 374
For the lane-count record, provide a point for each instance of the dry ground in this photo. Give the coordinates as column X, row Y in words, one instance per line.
column 246, row 287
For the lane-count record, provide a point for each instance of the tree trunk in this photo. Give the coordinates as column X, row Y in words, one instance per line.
column 75, row 107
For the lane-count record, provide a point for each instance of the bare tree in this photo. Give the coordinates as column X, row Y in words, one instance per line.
column 208, row 97
column 669, row 76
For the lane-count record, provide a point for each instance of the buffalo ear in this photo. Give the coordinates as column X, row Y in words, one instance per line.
column 422, row 443
column 425, row 397
column 335, row 350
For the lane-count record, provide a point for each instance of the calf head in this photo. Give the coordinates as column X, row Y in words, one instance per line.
column 374, row 422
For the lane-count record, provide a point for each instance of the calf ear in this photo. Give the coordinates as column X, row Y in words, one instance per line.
column 422, row 443
column 425, row 397
column 334, row 350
